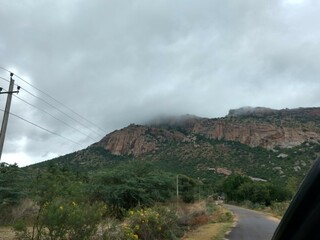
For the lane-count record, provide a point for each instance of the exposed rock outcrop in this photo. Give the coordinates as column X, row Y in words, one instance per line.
column 136, row 140
column 256, row 133
column 263, row 127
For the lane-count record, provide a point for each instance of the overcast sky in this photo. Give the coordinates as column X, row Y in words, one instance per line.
column 117, row 62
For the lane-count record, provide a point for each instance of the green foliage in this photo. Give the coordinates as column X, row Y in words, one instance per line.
column 154, row 223
column 71, row 205
column 21, row 231
column 130, row 185
column 240, row 188
column 64, row 218
column 187, row 188
column 89, row 159
column 64, row 211
column 224, row 216
column 11, row 190
column 232, row 184
column 292, row 185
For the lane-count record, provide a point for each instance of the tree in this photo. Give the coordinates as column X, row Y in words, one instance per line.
column 130, row 185
column 64, row 210
column 187, row 188
column 240, row 188
column 232, row 184
column 10, row 188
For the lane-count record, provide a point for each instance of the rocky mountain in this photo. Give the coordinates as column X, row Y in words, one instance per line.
column 263, row 127
column 272, row 145
column 137, row 140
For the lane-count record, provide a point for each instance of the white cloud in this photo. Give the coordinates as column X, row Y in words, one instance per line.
column 294, row 1
column 20, row 158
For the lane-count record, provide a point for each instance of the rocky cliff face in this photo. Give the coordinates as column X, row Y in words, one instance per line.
column 136, row 140
column 256, row 133
column 263, row 127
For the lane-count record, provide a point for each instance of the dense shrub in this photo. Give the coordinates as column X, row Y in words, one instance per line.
column 11, row 191
column 131, row 185
column 240, row 188
column 154, row 223
column 64, row 219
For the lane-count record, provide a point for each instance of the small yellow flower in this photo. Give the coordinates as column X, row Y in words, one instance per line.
column 135, row 236
column 61, row 207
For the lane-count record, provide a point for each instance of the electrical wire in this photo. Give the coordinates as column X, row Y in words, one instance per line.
column 5, row 79
column 44, row 111
column 5, row 69
column 68, row 116
column 62, row 104
column 43, row 128
column 51, row 115
column 49, row 104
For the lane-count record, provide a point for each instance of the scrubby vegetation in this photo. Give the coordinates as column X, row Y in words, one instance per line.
column 130, row 201
column 92, row 194
column 241, row 188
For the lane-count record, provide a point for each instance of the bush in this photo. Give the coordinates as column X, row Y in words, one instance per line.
column 222, row 215
column 279, row 208
column 11, row 191
column 153, row 223
column 112, row 229
column 131, row 185
column 64, row 219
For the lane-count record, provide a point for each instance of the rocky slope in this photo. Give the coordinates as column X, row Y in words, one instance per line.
column 136, row 140
column 263, row 127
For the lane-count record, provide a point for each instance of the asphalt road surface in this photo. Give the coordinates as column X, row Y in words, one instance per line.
column 252, row 225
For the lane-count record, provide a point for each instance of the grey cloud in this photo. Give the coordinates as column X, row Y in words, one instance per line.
column 120, row 62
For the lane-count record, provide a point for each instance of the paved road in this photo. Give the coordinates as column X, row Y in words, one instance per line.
column 252, row 225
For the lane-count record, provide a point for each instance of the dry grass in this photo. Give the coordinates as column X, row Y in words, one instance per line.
column 6, row 233
column 211, row 231
column 205, row 226
column 192, row 214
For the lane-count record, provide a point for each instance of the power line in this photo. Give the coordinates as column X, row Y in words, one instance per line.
column 5, row 79
column 44, row 111
column 67, row 115
column 57, row 110
column 62, row 104
column 43, row 128
column 49, row 104
column 5, row 69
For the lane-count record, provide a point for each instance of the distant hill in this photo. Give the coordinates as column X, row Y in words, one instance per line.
column 254, row 127
column 263, row 143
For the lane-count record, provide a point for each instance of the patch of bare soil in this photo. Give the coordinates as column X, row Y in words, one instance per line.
column 6, row 233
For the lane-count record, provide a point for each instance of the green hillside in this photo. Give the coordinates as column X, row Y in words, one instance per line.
column 201, row 158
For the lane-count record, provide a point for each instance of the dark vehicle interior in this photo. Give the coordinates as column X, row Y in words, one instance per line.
column 301, row 220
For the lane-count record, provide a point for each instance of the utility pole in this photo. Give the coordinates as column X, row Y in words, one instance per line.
column 177, row 186
column 6, row 111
